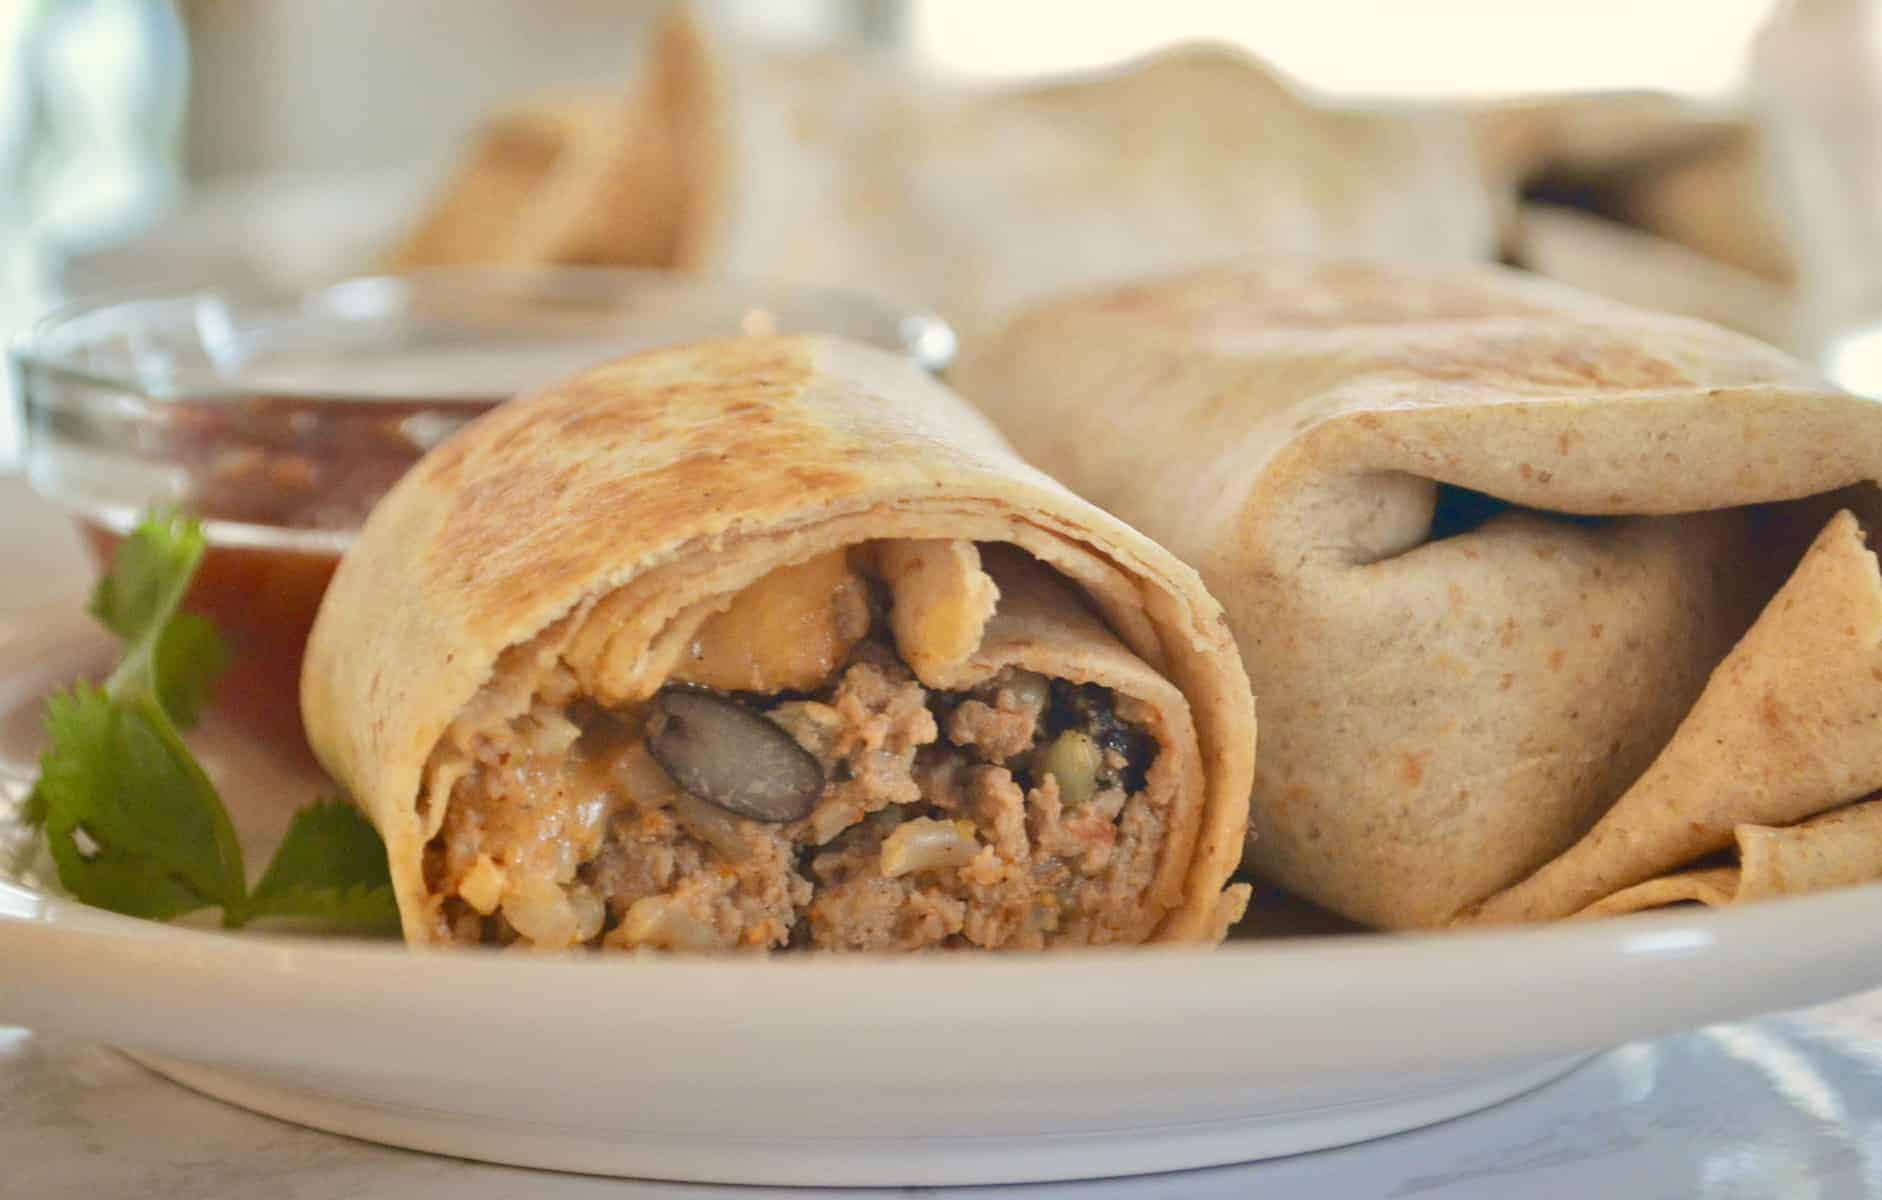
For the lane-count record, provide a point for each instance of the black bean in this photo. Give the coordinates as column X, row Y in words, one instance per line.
column 721, row 752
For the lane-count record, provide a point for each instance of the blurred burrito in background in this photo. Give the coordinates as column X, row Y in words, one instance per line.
column 841, row 168
column 1763, row 214
column 846, row 168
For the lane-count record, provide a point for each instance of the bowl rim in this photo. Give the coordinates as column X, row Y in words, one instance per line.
column 925, row 336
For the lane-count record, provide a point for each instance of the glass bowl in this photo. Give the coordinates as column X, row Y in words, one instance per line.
column 280, row 418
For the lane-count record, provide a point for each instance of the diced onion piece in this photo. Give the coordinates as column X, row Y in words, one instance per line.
column 541, row 912
column 711, row 825
column 942, row 602
column 548, row 732
column 660, row 923
column 831, row 818
column 646, row 783
column 925, row 844
column 811, row 725
column 482, row 885
column 590, row 913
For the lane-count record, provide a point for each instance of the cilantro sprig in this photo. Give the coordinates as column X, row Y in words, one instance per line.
column 130, row 818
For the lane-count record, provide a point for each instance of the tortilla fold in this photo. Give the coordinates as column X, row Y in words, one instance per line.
column 1839, row 848
column 1789, row 726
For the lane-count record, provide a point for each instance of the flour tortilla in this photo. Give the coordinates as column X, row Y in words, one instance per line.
column 1442, row 715
column 614, row 507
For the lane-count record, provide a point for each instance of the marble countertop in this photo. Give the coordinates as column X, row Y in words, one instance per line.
column 1788, row 1105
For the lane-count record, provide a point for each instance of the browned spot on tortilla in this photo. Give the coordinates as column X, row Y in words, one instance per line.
column 1227, row 299
column 1595, row 631
column 536, row 519
column 1503, row 684
column 1460, row 600
column 1413, row 769
column 1507, row 637
column 1530, row 357
column 1557, row 657
column 1772, row 711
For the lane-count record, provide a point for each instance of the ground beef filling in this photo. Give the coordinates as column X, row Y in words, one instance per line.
column 1013, row 816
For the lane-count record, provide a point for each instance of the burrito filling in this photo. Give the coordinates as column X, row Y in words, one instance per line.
column 792, row 783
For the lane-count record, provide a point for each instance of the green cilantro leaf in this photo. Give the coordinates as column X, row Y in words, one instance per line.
column 33, row 811
column 330, row 867
column 190, row 657
column 149, row 573
column 131, row 820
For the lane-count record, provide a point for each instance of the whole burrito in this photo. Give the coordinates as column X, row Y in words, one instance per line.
column 851, row 170
column 773, row 642
column 1483, row 541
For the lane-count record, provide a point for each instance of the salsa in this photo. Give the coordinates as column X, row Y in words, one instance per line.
column 289, row 464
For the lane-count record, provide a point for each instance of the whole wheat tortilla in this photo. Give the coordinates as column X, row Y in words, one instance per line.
column 1625, row 263
column 850, row 170
column 592, row 179
column 606, row 512
column 1789, row 726
column 1839, row 848
column 1482, row 539
column 1653, row 200
column 977, row 201
column 1781, row 187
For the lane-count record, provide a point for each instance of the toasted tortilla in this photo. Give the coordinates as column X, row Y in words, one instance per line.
column 601, row 520
column 1482, row 539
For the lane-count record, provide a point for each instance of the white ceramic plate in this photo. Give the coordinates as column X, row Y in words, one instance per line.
column 931, row 1070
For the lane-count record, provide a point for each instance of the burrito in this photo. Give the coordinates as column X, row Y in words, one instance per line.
column 582, row 178
column 774, row 643
column 851, row 170
column 1493, row 551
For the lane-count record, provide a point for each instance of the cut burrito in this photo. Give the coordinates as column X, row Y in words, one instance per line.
column 768, row 643
column 1483, row 541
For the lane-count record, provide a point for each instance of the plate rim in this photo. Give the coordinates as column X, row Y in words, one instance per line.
column 1773, row 955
